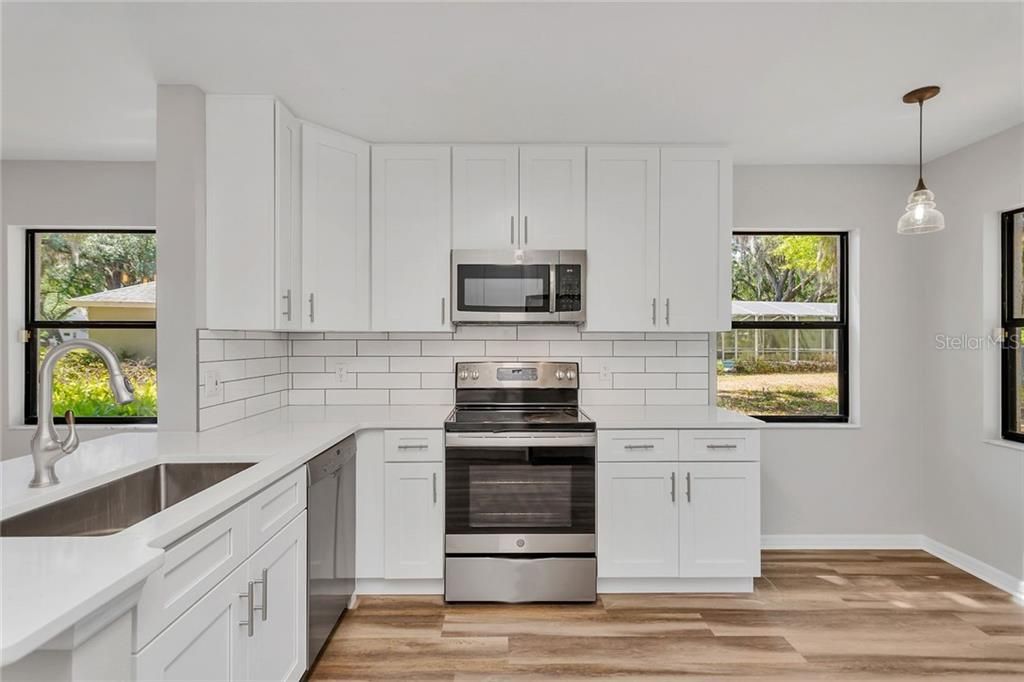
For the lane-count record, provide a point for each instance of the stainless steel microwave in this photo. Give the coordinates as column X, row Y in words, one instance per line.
column 518, row 286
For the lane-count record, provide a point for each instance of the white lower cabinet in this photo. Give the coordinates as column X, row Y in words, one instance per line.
column 414, row 520
column 638, row 520
column 720, row 515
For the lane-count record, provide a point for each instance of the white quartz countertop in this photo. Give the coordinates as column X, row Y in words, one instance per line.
column 49, row 584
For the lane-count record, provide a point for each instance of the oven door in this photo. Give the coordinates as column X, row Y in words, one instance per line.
column 519, row 494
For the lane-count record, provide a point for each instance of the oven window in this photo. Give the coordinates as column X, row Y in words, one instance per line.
column 520, row 495
column 504, row 288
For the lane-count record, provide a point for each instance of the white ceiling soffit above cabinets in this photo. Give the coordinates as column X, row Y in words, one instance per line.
column 778, row 83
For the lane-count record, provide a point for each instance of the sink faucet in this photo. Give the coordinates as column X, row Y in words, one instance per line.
column 47, row 447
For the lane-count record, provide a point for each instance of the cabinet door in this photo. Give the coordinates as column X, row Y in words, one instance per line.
column 411, row 237
column 240, row 207
column 414, row 520
column 696, row 232
column 552, row 197
column 485, row 196
column 622, row 238
column 287, row 227
column 335, row 231
column 208, row 642
column 720, row 519
column 637, row 520
column 278, row 650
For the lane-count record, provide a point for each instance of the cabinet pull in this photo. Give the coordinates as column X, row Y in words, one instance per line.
column 526, row 229
column 262, row 608
column 654, row 311
column 413, row 447
column 287, row 298
column 250, row 622
column 512, row 230
column 667, row 303
column 311, row 304
column 688, row 487
column 673, row 493
column 435, row 486
column 721, row 446
column 645, row 446
column 443, row 306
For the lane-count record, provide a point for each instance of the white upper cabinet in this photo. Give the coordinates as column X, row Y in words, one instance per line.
column 240, row 212
column 696, row 232
column 411, row 208
column 720, row 519
column 335, row 232
column 552, row 197
column 485, row 196
column 622, row 238
column 288, row 225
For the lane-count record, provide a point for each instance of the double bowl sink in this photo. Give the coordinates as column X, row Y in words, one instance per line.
column 114, row 506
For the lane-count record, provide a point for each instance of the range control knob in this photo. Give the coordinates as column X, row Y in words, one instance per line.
column 520, row 543
column 463, row 374
column 559, row 374
column 570, row 375
column 475, row 375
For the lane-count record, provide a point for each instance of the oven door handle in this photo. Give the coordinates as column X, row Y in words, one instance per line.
column 512, row 439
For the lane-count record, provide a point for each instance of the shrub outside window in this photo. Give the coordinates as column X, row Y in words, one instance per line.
column 98, row 285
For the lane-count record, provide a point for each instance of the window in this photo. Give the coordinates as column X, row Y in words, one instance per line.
column 1013, row 324
column 99, row 285
column 786, row 356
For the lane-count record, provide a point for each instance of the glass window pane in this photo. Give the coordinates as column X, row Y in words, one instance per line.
column 1018, row 264
column 783, row 277
column 80, row 379
column 779, row 372
column 1018, row 381
column 95, row 276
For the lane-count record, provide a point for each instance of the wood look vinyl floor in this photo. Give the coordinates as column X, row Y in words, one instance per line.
column 822, row 615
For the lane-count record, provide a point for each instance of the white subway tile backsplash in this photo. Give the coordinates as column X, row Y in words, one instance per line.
column 599, row 364
column 392, row 380
column 644, row 380
column 517, row 348
column 218, row 415
column 276, row 348
column 306, row 336
column 438, row 380
column 547, row 332
column 425, row 364
column 694, row 364
column 644, row 348
column 612, row 336
column 306, row 364
column 333, row 347
column 454, row 348
column 420, row 336
column 245, row 388
column 323, row 380
column 357, row 396
column 266, row 335
column 426, row 396
column 356, row 363
column 276, row 382
column 239, row 349
column 263, row 403
column 356, row 335
column 592, row 380
column 227, row 370
column 485, row 333
column 592, row 396
column 581, row 348
column 698, row 381
column 260, row 367
column 211, row 349
column 677, row 336
column 677, row 397
column 389, row 348
column 305, row 397
column 692, row 348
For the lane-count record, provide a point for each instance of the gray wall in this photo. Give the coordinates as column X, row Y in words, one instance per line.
column 58, row 193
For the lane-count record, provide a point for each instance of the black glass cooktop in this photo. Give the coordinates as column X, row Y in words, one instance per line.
column 518, row 419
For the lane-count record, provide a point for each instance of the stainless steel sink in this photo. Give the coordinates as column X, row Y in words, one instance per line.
column 119, row 504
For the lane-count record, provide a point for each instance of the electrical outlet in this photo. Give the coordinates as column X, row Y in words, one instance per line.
column 606, row 373
column 212, row 385
column 341, row 372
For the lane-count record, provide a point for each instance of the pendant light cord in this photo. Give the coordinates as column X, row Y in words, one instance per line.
column 920, row 146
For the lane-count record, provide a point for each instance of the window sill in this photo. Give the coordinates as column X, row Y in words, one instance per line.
column 94, row 427
column 814, row 426
column 1008, row 444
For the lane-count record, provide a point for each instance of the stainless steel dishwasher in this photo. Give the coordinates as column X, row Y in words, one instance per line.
column 331, row 544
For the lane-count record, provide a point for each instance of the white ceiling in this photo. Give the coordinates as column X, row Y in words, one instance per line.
column 781, row 83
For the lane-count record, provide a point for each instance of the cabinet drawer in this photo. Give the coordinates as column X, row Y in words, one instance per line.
column 414, row 446
column 719, row 446
column 637, row 446
column 190, row 569
column 272, row 509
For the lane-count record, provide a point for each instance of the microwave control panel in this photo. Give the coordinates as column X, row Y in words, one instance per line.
column 568, row 297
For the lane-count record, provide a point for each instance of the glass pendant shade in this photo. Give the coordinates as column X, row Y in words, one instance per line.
column 921, row 215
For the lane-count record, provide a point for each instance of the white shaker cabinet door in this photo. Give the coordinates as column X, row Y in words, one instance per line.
column 287, row 216
column 414, row 520
column 637, row 520
column 209, row 642
column 335, row 231
column 411, row 206
column 278, row 649
column 553, row 197
column 622, row 238
column 696, row 233
column 720, row 519
column 485, row 196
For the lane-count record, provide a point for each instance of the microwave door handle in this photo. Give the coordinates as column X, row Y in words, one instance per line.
column 553, row 273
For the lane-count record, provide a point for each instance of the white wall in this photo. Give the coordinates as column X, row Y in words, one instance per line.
column 859, row 479
column 973, row 491
column 57, row 193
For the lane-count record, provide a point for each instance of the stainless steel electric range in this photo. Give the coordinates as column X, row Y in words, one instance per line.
column 519, row 485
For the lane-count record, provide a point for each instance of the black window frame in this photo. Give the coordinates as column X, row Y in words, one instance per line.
column 841, row 327
column 32, row 327
column 1011, row 327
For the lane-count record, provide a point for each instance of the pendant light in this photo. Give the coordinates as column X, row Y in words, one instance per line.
column 921, row 215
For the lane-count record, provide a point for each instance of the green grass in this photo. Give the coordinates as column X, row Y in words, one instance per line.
column 780, row 402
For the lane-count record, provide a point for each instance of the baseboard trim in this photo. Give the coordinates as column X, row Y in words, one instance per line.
column 673, row 585
column 979, row 569
column 908, row 541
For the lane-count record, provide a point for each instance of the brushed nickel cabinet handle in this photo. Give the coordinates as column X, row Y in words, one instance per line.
column 413, row 447
column 673, row 487
column 287, row 298
column 645, row 446
column 667, row 303
column 435, row 487
column 443, row 307
column 721, row 446
column 512, row 230
column 262, row 608
column 312, row 317
column 526, row 229
column 654, row 311
column 689, row 497
column 250, row 622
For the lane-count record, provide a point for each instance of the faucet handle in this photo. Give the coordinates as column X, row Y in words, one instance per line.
column 69, row 444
